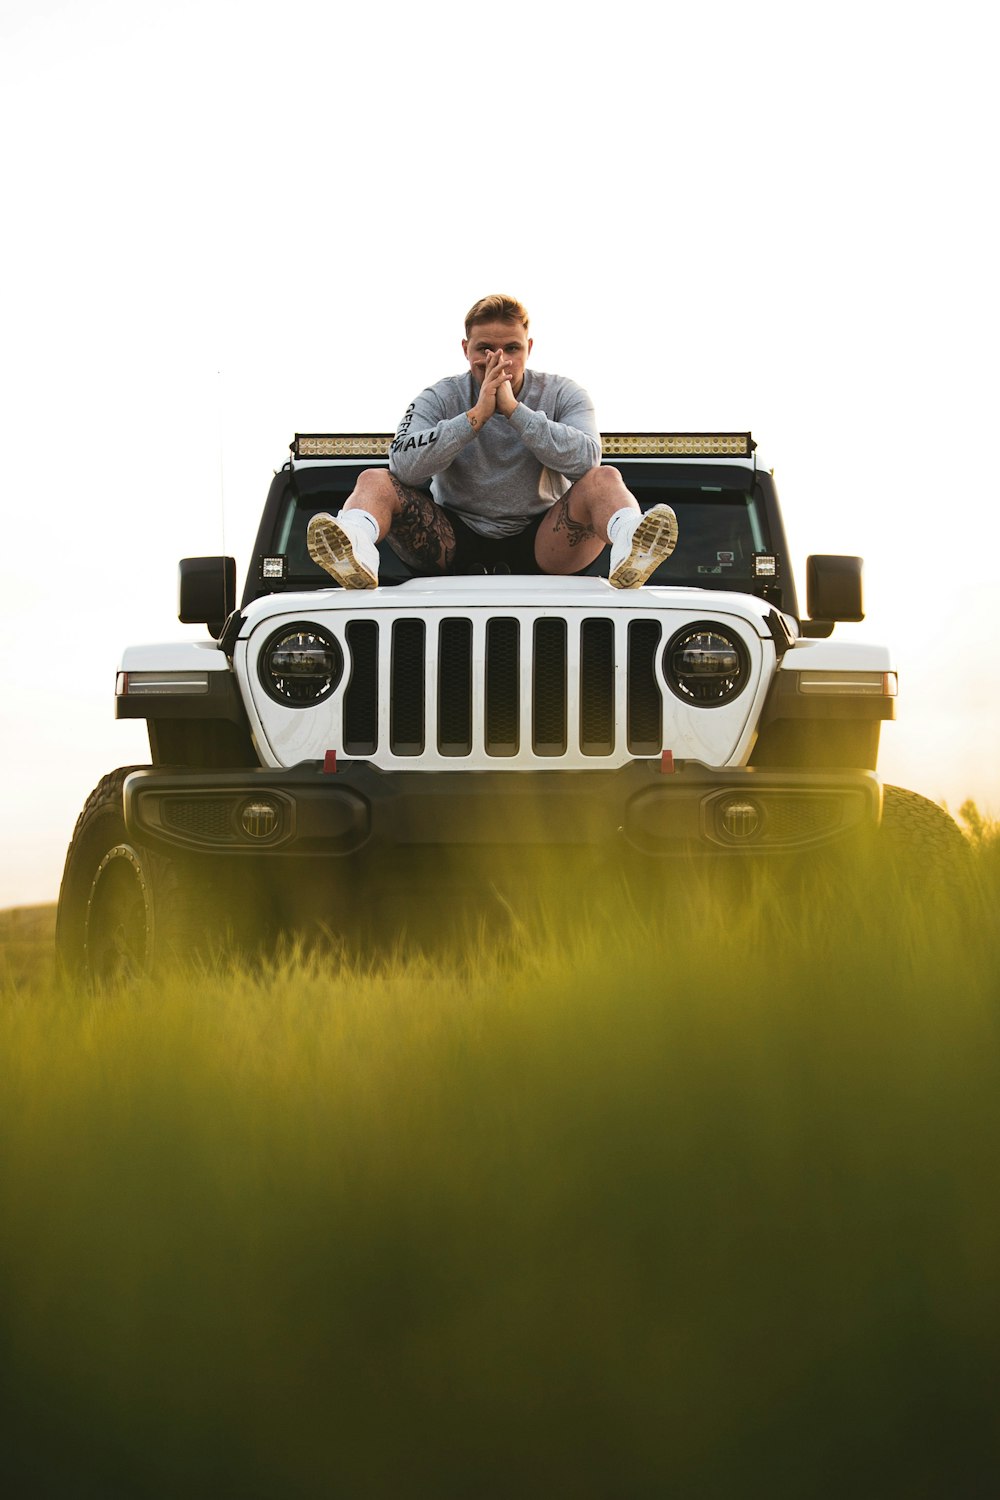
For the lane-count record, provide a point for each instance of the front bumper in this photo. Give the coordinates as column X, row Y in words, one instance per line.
column 358, row 809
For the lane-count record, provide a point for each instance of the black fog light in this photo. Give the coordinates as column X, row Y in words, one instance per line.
column 740, row 818
column 301, row 665
column 259, row 818
column 706, row 665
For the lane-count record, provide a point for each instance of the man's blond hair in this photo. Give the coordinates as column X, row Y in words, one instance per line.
column 496, row 309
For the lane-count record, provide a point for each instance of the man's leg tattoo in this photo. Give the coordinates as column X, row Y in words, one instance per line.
column 576, row 531
column 421, row 533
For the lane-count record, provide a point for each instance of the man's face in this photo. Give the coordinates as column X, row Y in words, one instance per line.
column 511, row 338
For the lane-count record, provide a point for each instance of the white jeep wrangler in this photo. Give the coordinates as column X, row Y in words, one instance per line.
column 342, row 735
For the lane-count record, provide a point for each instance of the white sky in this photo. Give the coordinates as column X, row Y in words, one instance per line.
column 225, row 222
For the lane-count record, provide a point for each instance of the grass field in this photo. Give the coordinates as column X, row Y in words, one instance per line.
column 697, row 1198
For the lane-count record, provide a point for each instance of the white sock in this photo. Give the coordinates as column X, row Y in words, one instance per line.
column 616, row 520
column 353, row 515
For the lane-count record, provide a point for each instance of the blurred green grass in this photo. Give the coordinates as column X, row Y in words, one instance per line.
column 690, row 1196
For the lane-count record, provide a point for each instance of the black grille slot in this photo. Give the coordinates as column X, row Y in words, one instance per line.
column 645, row 707
column 361, row 697
column 406, row 716
column 202, row 817
column 549, row 688
column 502, row 687
column 597, row 687
column 455, row 687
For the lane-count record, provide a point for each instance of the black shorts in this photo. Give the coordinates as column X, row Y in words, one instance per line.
column 493, row 554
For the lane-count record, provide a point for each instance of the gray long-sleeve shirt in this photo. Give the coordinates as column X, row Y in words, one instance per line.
column 495, row 479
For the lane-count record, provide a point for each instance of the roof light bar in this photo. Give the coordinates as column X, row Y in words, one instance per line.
column 679, row 444
column 647, row 444
column 341, row 445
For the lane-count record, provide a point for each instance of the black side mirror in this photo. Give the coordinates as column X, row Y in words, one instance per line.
column 834, row 588
column 206, row 588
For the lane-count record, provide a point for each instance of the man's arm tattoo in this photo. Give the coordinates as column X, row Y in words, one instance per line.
column 577, row 531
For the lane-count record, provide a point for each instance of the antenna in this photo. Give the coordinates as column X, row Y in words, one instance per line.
column 222, row 467
column 230, row 604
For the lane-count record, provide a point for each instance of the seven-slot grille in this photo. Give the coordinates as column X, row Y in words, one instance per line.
column 503, row 686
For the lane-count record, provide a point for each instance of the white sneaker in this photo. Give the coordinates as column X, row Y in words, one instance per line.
column 344, row 549
column 641, row 543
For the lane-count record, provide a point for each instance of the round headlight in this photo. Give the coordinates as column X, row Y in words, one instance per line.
column 301, row 665
column 706, row 665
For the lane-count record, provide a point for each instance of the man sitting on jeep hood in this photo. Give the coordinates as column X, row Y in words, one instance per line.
column 495, row 470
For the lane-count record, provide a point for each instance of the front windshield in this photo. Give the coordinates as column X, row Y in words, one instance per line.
column 720, row 529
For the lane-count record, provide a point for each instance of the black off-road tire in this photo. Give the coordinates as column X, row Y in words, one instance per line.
column 918, row 830
column 126, row 910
